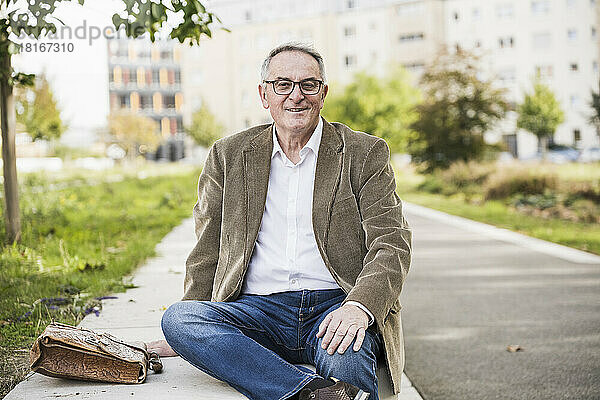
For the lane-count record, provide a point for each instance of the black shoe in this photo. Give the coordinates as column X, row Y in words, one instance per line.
column 339, row 391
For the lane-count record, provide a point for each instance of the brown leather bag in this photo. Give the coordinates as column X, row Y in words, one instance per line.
column 66, row 351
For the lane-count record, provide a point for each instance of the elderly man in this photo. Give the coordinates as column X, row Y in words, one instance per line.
column 301, row 252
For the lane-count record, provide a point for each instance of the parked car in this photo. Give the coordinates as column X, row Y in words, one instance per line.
column 590, row 154
column 560, row 154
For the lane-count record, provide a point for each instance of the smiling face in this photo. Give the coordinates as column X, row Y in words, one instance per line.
column 296, row 113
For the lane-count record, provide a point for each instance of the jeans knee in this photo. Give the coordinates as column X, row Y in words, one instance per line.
column 171, row 320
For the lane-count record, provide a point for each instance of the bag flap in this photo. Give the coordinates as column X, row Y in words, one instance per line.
column 66, row 335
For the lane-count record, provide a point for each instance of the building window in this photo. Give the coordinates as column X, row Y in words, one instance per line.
column 574, row 67
column 477, row 44
column 506, row 42
column 505, row 11
column 350, row 31
column 415, row 67
column 111, row 76
column 576, row 135
column 476, row 14
column 540, row 7
column 145, row 102
column 572, row 34
column 155, row 75
column 124, row 101
column 350, row 4
column 410, row 9
column 169, row 101
column 595, row 66
column 456, row 16
column 544, row 71
column 594, row 33
column 350, row 61
column 411, row 37
column 507, row 75
column 166, row 55
column 542, row 40
column 575, row 101
column 177, row 77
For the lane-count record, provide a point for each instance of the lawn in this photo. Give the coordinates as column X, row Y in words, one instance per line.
column 81, row 239
column 581, row 235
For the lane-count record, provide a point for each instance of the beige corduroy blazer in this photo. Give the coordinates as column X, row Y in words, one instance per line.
column 357, row 219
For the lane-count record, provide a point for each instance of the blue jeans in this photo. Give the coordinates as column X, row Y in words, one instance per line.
column 252, row 343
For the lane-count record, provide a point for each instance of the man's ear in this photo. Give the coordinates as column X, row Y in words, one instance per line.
column 324, row 94
column 262, row 92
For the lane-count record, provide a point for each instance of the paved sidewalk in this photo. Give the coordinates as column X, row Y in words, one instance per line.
column 135, row 315
column 474, row 289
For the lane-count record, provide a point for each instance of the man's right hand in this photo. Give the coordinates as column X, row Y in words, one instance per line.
column 161, row 347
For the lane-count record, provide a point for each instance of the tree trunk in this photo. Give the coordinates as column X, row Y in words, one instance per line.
column 8, row 118
column 544, row 145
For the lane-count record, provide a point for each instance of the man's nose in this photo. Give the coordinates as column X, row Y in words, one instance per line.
column 296, row 94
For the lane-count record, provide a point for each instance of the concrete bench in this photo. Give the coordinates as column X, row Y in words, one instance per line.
column 178, row 381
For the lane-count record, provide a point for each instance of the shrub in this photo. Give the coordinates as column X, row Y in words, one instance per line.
column 462, row 174
column 433, row 184
column 588, row 190
column 507, row 182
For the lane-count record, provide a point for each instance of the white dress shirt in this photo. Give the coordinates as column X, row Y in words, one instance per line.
column 286, row 256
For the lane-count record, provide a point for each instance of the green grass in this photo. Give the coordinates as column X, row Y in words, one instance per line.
column 583, row 236
column 79, row 243
column 579, row 235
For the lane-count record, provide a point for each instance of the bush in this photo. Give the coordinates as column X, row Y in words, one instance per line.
column 462, row 174
column 508, row 182
column 433, row 184
column 583, row 190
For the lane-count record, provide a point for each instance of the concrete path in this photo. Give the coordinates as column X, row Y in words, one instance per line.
column 473, row 290
column 135, row 315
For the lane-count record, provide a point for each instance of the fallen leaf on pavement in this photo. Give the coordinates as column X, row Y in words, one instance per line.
column 513, row 348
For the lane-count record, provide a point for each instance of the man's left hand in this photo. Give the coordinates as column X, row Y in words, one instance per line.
column 341, row 327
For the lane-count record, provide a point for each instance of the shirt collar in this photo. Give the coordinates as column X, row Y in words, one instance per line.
column 313, row 143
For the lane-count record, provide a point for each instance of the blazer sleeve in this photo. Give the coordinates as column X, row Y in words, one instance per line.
column 201, row 264
column 387, row 235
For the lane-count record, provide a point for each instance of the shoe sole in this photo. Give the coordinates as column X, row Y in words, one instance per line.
column 361, row 395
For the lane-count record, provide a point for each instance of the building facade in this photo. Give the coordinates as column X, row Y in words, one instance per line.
column 145, row 78
column 555, row 41
column 352, row 35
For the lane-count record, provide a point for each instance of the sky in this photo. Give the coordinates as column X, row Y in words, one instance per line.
column 79, row 79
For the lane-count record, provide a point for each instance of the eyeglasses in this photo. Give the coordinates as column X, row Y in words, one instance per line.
column 286, row 86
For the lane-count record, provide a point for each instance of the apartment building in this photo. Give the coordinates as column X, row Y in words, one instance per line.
column 145, row 78
column 352, row 35
column 555, row 40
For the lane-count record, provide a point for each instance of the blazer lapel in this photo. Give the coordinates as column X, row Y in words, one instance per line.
column 327, row 175
column 257, row 166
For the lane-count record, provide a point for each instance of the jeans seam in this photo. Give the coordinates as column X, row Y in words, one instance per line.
column 300, row 319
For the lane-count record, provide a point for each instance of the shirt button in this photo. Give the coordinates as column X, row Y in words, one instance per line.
column 294, row 281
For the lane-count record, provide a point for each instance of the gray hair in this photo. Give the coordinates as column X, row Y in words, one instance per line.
column 293, row 46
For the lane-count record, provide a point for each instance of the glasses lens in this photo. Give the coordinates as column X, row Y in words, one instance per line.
column 283, row 87
column 310, row 86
